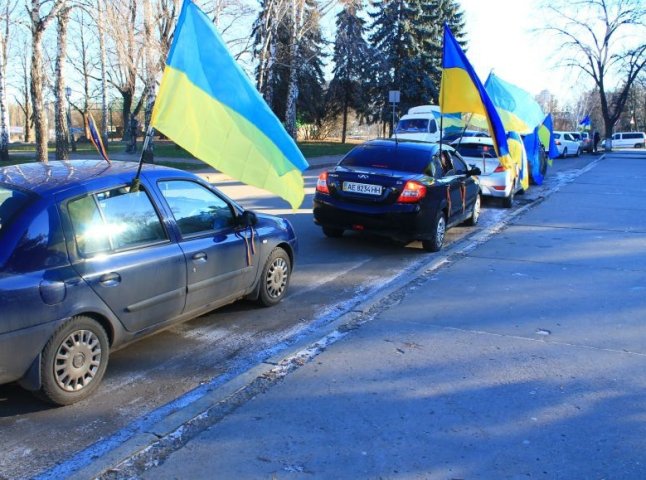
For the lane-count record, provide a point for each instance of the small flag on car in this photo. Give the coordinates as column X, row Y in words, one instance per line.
column 95, row 138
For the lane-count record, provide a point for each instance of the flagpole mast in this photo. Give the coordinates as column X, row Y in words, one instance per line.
column 149, row 134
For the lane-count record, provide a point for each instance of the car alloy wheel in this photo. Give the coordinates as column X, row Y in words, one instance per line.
column 435, row 242
column 475, row 211
column 275, row 277
column 74, row 361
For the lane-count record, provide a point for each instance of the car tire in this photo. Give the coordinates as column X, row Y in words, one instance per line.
column 578, row 152
column 73, row 361
column 508, row 201
column 332, row 232
column 475, row 212
column 564, row 152
column 436, row 240
column 275, row 277
column 639, row 145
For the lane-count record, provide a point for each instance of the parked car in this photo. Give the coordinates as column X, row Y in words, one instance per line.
column 495, row 180
column 400, row 190
column 586, row 142
column 629, row 140
column 450, row 137
column 89, row 263
column 567, row 144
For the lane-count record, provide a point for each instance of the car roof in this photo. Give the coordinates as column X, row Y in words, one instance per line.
column 57, row 176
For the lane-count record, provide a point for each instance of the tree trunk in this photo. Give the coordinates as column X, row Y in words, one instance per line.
column 4, row 110
column 148, row 153
column 292, row 88
column 36, row 88
column 104, row 76
column 345, row 117
column 63, row 122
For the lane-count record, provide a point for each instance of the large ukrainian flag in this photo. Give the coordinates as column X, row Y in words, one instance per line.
column 462, row 92
column 207, row 104
column 518, row 110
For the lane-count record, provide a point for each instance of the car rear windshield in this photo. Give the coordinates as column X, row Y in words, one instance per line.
column 11, row 202
column 390, row 157
column 475, row 150
column 412, row 125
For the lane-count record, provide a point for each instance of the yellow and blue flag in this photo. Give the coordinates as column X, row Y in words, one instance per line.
column 208, row 105
column 95, row 138
column 461, row 91
column 546, row 136
column 518, row 110
column 585, row 123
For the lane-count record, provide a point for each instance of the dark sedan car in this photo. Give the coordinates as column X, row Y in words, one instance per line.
column 89, row 262
column 402, row 190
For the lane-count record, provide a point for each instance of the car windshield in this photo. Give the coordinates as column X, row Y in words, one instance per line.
column 11, row 202
column 412, row 125
column 576, row 136
column 390, row 157
column 475, row 150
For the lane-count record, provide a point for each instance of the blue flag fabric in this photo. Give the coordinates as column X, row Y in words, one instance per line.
column 546, row 135
column 533, row 148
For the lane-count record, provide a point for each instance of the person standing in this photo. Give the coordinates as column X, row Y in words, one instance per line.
column 134, row 125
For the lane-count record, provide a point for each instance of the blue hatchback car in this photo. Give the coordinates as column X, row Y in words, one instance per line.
column 89, row 262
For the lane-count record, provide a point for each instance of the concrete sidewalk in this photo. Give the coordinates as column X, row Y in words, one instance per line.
column 520, row 357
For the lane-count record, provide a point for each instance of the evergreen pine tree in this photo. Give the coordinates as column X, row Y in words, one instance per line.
column 408, row 36
column 351, row 58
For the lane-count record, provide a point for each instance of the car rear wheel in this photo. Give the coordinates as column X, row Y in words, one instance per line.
column 436, row 240
column 332, row 232
column 73, row 361
column 275, row 277
column 578, row 152
column 565, row 152
column 508, row 202
column 475, row 212
column 639, row 145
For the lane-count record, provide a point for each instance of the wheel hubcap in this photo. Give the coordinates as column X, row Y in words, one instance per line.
column 441, row 230
column 277, row 278
column 77, row 361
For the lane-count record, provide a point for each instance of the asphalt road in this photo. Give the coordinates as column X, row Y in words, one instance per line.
column 155, row 376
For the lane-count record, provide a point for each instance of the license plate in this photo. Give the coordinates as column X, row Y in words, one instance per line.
column 362, row 188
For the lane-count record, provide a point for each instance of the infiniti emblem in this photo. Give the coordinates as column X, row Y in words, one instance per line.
column 363, row 176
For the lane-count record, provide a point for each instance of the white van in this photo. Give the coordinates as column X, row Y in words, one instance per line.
column 419, row 124
column 629, row 139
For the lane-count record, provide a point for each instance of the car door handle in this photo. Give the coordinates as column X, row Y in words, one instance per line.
column 199, row 257
column 110, row 279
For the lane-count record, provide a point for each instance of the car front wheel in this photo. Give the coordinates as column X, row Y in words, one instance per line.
column 275, row 277
column 475, row 212
column 436, row 240
column 73, row 361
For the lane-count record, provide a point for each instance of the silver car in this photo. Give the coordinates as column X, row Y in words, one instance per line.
column 495, row 181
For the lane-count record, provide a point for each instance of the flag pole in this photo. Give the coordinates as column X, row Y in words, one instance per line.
column 149, row 134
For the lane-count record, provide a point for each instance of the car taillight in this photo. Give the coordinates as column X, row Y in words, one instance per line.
column 499, row 169
column 558, row 142
column 321, row 183
column 412, row 192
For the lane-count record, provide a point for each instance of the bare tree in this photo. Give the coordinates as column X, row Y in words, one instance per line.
column 61, row 119
column 5, row 23
column 24, row 101
column 38, row 22
column 595, row 37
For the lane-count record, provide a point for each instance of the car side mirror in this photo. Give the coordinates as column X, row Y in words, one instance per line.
column 473, row 171
column 248, row 219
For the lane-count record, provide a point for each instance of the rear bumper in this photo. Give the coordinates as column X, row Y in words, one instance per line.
column 19, row 348
column 403, row 222
column 496, row 185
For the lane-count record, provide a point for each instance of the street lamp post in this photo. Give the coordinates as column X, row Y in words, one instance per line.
column 68, row 94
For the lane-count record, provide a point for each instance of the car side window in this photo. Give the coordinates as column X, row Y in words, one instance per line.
column 42, row 246
column 114, row 219
column 196, row 209
column 458, row 164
